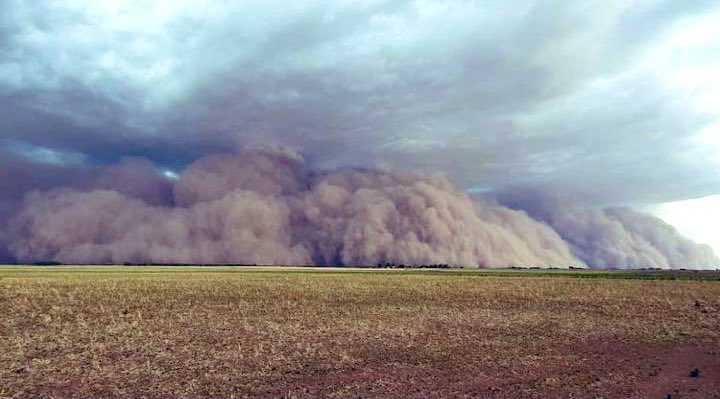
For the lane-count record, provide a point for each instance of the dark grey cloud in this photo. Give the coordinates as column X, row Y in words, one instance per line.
column 594, row 99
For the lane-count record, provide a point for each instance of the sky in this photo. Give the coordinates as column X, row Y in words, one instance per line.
column 612, row 102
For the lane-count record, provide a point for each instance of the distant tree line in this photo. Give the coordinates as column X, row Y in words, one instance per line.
column 393, row 265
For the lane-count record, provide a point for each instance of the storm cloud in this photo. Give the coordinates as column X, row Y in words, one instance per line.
column 611, row 104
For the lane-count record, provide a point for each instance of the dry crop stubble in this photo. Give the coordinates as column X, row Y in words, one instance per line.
column 231, row 332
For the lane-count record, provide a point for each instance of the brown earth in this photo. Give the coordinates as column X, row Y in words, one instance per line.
column 280, row 334
column 673, row 374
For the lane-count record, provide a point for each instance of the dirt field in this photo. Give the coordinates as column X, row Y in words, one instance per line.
column 232, row 332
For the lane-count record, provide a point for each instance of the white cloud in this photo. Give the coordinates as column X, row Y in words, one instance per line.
column 698, row 219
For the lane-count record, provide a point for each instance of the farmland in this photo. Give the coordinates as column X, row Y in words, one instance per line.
column 303, row 332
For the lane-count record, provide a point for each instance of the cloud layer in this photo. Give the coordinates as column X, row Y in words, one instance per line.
column 596, row 99
column 612, row 104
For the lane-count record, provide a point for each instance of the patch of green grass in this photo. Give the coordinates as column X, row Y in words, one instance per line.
column 692, row 275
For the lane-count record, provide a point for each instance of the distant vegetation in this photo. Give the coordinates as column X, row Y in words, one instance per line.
column 573, row 272
column 392, row 265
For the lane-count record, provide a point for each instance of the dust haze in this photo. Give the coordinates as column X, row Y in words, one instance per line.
column 264, row 205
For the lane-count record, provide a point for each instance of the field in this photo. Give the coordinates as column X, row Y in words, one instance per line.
column 270, row 332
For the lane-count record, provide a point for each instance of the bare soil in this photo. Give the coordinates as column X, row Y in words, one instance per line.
column 187, row 333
